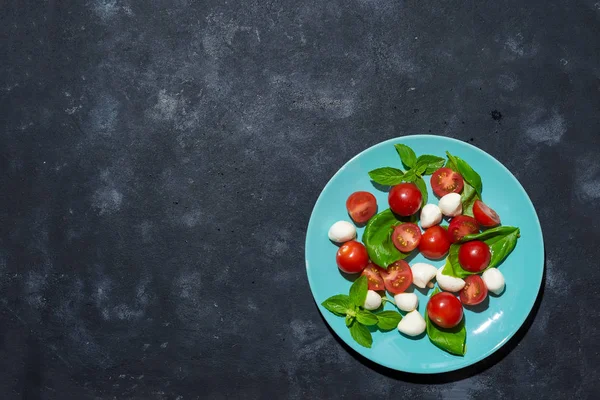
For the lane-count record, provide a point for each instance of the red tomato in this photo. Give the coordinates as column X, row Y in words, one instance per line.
column 374, row 277
column 435, row 242
column 485, row 215
column 474, row 291
column 398, row 277
column 406, row 237
column 474, row 256
column 460, row 226
column 352, row 257
column 444, row 181
column 361, row 206
column 405, row 199
column 444, row 310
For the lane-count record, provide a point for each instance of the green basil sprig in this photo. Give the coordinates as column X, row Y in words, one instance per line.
column 428, row 164
column 452, row 340
column 357, row 318
column 502, row 240
column 415, row 166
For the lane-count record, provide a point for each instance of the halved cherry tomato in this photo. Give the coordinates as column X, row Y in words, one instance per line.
column 474, row 291
column 352, row 257
column 474, row 256
column 460, row 226
column 374, row 277
column 444, row 181
column 361, row 206
column 398, row 277
column 444, row 310
column 435, row 242
column 405, row 199
column 406, row 237
column 485, row 215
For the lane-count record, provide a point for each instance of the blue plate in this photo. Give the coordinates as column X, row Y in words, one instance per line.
column 487, row 330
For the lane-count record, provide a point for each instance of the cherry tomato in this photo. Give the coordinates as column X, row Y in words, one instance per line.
column 474, row 291
column 444, row 181
column 406, row 237
column 444, row 310
column 405, row 199
column 435, row 242
column 474, row 256
column 460, row 226
column 398, row 277
column 374, row 277
column 352, row 257
column 485, row 215
column 361, row 206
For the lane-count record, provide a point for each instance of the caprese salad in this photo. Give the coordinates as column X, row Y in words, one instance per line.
column 473, row 244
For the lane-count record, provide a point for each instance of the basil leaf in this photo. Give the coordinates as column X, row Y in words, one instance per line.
column 468, row 173
column 428, row 164
column 349, row 320
column 366, row 317
column 410, row 175
column 420, row 169
column 469, row 195
column 407, row 155
column 377, row 238
column 492, row 235
column 361, row 334
column 423, row 188
column 388, row 320
column 338, row 304
column 452, row 340
column 502, row 240
column 451, row 163
column 358, row 291
column 452, row 266
column 435, row 291
column 468, row 198
column 387, row 176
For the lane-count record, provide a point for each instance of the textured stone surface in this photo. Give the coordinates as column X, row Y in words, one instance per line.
column 160, row 161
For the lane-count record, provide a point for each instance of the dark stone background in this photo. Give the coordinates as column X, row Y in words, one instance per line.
column 160, row 160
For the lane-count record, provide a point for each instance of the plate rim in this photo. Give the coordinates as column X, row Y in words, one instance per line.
column 502, row 342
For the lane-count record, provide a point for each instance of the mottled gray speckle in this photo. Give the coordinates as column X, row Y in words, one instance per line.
column 109, row 9
column 165, row 107
column 107, row 200
column 590, row 190
column 508, row 82
column 103, row 115
column 544, row 126
column 520, row 46
column 34, row 288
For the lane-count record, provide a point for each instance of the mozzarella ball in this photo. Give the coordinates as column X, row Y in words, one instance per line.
column 422, row 274
column 494, row 280
column 373, row 300
column 341, row 232
column 430, row 215
column 449, row 283
column 406, row 301
column 413, row 324
column 450, row 205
